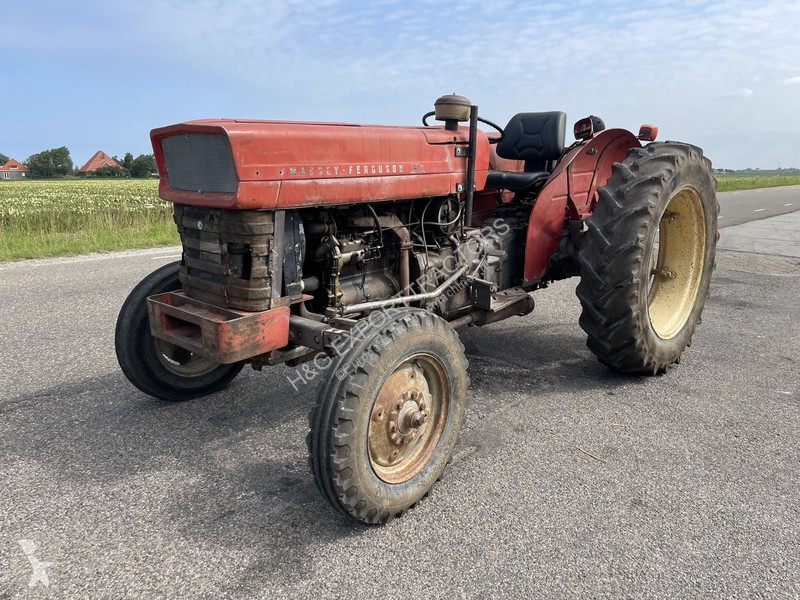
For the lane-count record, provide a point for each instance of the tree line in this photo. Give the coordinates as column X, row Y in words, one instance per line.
column 57, row 162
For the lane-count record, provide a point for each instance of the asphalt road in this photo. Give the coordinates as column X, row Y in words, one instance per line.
column 571, row 481
column 748, row 205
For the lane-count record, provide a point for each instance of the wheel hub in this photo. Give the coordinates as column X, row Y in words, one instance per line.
column 407, row 420
column 409, row 415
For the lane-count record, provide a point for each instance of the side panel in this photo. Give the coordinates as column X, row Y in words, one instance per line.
column 571, row 193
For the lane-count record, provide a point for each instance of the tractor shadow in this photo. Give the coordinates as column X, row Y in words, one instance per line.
column 526, row 356
column 279, row 512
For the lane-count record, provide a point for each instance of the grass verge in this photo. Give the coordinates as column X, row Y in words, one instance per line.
column 731, row 182
column 17, row 246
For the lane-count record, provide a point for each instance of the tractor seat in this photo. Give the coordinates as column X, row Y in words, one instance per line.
column 518, row 181
column 536, row 138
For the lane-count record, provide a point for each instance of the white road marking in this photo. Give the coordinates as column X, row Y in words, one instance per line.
column 165, row 256
column 759, row 209
column 789, row 204
column 39, row 574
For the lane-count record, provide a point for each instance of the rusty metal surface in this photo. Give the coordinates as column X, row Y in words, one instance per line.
column 291, row 165
column 408, row 418
column 367, row 306
column 222, row 335
column 226, row 256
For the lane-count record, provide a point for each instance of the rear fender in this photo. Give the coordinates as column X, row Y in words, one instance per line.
column 571, row 193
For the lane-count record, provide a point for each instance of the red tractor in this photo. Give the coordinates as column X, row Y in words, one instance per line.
column 354, row 253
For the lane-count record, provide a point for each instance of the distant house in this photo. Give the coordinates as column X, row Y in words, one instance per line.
column 14, row 170
column 100, row 159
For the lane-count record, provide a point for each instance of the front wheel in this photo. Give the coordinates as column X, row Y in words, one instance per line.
column 388, row 418
column 647, row 257
column 156, row 367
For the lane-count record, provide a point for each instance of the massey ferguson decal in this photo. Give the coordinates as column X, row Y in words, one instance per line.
column 348, row 170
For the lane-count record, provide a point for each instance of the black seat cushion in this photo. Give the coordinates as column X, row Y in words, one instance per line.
column 534, row 137
column 515, row 180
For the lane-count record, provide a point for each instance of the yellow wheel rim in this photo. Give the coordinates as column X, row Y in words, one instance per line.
column 677, row 263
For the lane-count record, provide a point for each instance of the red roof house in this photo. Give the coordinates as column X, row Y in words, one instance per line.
column 100, row 159
column 14, row 169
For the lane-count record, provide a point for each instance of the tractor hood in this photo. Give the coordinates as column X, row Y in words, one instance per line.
column 240, row 164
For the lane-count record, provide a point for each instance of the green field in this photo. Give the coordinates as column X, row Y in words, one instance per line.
column 41, row 218
column 58, row 217
column 729, row 182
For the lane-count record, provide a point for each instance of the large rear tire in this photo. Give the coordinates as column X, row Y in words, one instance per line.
column 647, row 257
column 156, row 367
column 389, row 415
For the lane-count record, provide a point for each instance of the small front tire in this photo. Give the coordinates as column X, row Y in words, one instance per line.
column 389, row 415
column 158, row 368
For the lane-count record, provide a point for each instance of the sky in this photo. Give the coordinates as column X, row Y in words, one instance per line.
column 91, row 75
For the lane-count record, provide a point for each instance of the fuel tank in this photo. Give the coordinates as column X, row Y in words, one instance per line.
column 256, row 165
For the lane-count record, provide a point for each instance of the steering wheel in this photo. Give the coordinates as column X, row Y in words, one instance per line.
column 495, row 126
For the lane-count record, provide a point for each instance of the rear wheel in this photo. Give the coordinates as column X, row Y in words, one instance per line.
column 647, row 258
column 388, row 417
column 156, row 367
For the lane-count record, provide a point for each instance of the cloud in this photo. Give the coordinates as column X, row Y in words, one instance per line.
column 668, row 61
column 630, row 62
column 792, row 81
column 514, row 48
column 741, row 93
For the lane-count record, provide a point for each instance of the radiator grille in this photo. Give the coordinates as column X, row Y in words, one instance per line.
column 199, row 162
